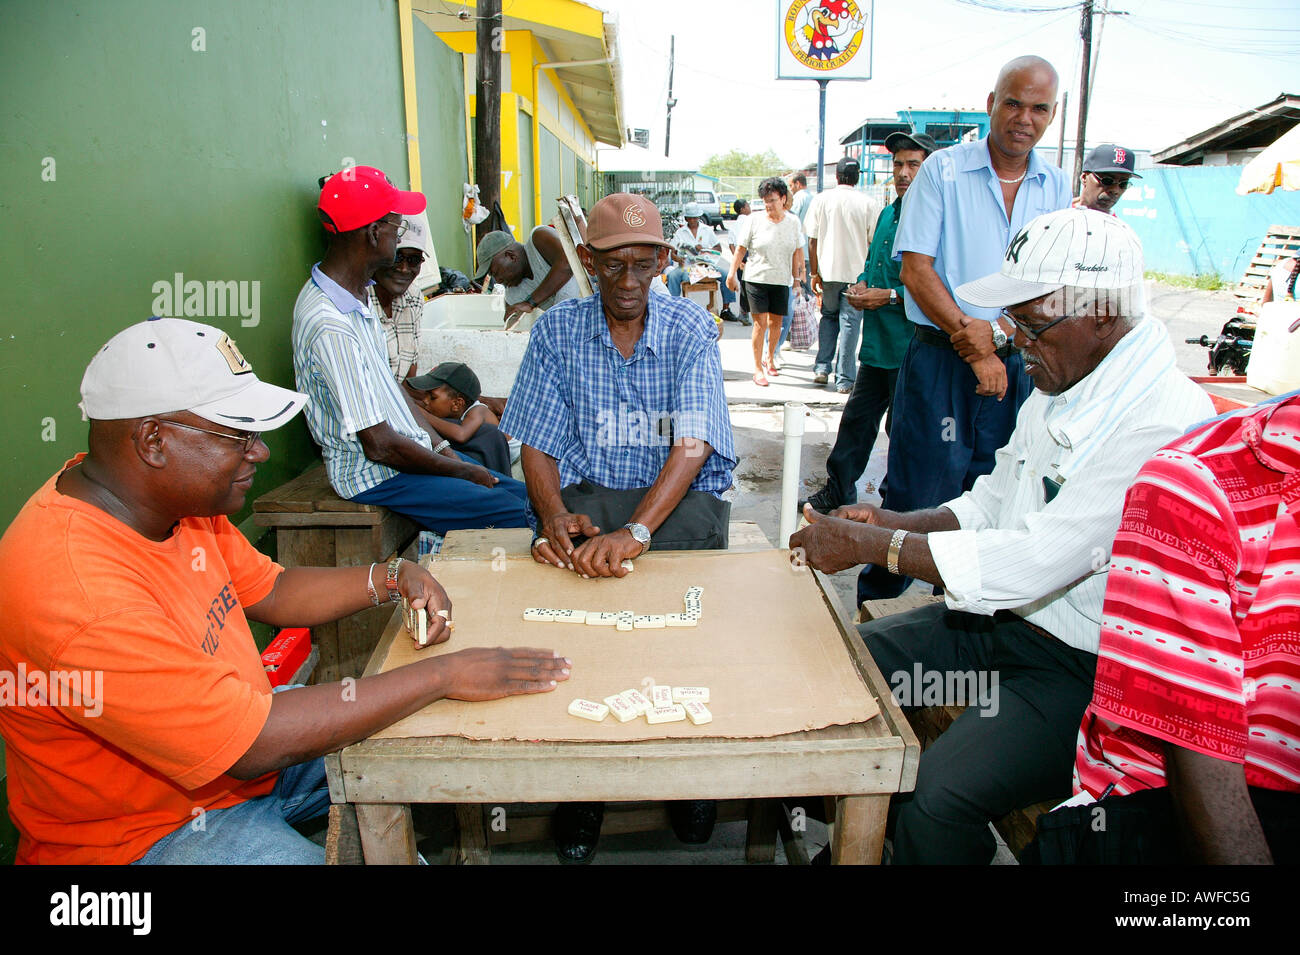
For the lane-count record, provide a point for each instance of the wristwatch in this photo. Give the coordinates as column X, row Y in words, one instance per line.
column 893, row 297
column 999, row 336
column 641, row 534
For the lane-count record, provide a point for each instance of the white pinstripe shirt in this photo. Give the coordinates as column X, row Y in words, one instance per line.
column 1047, row 561
column 340, row 361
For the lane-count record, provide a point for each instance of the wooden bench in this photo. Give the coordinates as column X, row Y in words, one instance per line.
column 708, row 285
column 1016, row 828
column 314, row 527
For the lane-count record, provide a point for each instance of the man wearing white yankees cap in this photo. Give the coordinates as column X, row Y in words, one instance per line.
column 1022, row 556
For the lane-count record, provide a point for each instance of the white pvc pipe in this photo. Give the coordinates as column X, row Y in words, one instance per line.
column 795, row 412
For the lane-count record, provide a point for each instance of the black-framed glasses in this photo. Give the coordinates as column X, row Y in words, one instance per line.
column 1109, row 182
column 1033, row 333
column 248, row 438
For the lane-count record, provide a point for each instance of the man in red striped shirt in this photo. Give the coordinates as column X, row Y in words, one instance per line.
column 1199, row 661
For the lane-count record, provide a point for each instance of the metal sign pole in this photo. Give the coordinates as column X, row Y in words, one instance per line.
column 821, row 131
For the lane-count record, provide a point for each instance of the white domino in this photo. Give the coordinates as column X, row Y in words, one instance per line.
column 681, row 620
column 417, row 623
column 649, row 621
column 587, row 710
column 598, row 619
column 700, row 694
column 661, row 696
column 697, row 712
column 625, row 620
column 637, row 699
column 570, row 616
column 665, row 714
column 540, row 614
column 621, row 707
column 629, row 566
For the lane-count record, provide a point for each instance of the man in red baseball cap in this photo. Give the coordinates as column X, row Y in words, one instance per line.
column 375, row 450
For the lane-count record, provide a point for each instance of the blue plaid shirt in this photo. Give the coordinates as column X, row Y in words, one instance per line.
column 612, row 420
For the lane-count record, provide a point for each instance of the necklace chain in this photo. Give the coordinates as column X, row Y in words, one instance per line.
column 1010, row 182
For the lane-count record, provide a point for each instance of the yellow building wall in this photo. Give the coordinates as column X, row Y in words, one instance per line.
column 519, row 99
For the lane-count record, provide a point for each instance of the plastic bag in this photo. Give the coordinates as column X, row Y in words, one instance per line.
column 804, row 323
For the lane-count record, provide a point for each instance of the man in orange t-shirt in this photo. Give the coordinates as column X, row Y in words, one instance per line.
column 139, row 723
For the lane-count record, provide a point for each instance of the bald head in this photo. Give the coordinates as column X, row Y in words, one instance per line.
column 1020, row 108
column 1031, row 63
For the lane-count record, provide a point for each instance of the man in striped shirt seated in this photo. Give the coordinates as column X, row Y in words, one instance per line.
column 375, row 451
column 1195, row 708
column 1022, row 556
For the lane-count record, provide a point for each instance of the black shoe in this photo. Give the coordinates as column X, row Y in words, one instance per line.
column 823, row 502
column 728, row 315
column 576, row 826
column 745, row 319
column 693, row 820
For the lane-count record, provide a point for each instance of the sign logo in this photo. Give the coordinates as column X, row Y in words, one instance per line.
column 1120, row 155
column 633, row 217
column 823, row 35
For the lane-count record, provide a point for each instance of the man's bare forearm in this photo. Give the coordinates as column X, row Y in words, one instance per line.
column 684, row 462
column 383, row 445
column 1217, row 820
column 542, row 478
column 928, row 291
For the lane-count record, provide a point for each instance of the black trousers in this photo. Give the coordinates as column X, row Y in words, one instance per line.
column 871, row 399
column 699, row 522
column 1012, row 747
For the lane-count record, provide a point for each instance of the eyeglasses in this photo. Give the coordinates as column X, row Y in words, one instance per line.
column 412, row 260
column 1033, row 333
column 248, row 438
column 401, row 225
column 1110, row 182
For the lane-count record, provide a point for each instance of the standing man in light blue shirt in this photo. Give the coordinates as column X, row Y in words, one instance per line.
column 961, row 382
column 375, row 452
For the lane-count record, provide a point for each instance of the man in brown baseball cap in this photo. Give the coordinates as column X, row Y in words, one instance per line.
column 626, row 438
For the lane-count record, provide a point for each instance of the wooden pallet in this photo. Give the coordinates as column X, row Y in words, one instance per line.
column 1281, row 242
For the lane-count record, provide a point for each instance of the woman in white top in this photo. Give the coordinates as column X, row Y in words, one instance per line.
column 773, row 242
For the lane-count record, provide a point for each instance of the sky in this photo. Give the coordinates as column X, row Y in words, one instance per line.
column 1164, row 71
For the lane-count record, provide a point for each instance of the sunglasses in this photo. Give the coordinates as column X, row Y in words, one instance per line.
column 1109, row 182
column 412, row 260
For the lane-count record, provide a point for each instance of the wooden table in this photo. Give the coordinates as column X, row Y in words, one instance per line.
column 861, row 765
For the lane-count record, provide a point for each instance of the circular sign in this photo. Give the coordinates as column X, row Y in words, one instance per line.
column 823, row 34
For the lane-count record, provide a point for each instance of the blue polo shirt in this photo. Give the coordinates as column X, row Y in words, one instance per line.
column 954, row 212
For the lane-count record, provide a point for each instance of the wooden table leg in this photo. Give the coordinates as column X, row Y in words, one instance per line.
column 471, row 836
column 859, row 829
column 760, row 832
column 387, row 834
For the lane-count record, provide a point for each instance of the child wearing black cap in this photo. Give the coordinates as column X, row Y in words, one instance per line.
column 450, row 397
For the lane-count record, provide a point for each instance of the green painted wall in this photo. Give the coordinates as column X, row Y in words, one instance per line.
column 166, row 159
column 128, row 156
column 549, row 162
column 527, row 213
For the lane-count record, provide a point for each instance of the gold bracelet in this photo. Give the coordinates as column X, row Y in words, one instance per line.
column 895, row 548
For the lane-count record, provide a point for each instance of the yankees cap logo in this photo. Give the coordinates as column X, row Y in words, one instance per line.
column 1018, row 243
column 633, row 217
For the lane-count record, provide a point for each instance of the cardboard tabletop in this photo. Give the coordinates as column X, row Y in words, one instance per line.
column 767, row 647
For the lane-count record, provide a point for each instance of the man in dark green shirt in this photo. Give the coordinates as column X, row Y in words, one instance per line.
column 885, row 334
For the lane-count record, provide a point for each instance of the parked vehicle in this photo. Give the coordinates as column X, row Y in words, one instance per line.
column 672, row 202
column 728, row 202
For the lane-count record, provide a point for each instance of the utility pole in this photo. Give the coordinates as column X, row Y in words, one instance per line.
column 489, row 38
column 1085, row 31
column 668, row 125
column 1065, row 111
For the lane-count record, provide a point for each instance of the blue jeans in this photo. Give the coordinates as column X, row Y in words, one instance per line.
column 837, row 335
column 677, row 277
column 943, row 436
column 446, row 504
column 256, row 832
